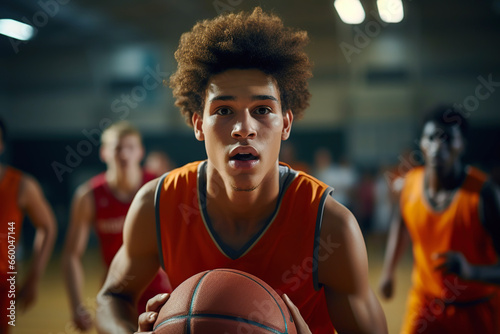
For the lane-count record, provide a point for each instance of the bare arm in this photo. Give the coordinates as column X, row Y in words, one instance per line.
column 32, row 201
column 82, row 215
column 352, row 305
column 133, row 267
column 397, row 243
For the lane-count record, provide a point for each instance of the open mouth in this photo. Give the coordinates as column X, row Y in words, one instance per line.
column 244, row 157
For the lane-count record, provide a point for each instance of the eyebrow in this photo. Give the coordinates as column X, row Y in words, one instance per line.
column 233, row 98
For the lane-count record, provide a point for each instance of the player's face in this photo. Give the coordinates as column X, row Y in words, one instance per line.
column 124, row 152
column 442, row 146
column 243, row 125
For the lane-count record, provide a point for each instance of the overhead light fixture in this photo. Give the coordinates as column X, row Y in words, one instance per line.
column 390, row 11
column 350, row 11
column 16, row 29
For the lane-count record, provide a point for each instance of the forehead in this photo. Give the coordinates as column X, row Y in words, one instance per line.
column 116, row 139
column 239, row 83
column 435, row 128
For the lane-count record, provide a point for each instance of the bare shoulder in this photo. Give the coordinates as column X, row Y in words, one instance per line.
column 83, row 192
column 147, row 193
column 29, row 190
column 139, row 235
column 29, row 184
column 337, row 218
column 340, row 229
column 143, row 205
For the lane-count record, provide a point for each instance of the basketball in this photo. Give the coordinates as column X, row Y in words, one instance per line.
column 224, row 301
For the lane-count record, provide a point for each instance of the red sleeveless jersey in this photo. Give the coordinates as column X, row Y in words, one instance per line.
column 284, row 253
column 110, row 215
column 456, row 228
column 11, row 216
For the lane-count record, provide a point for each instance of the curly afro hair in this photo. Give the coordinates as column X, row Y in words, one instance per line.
column 241, row 41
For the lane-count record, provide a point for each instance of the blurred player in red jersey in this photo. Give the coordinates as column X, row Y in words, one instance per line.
column 102, row 203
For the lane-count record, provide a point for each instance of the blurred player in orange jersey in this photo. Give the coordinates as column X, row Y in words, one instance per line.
column 102, row 203
column 451, row 213
column 241, row 81
column 20, row 195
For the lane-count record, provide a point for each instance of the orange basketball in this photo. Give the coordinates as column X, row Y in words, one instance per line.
column 225, row 301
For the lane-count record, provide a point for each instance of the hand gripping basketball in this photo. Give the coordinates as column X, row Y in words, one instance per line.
column 222, row 301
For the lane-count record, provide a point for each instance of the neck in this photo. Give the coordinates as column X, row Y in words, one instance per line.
column 240, row 209
column 124, row 181
column 445, row 180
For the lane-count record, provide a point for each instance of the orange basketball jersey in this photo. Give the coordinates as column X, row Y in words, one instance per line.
column 284, row 253
column 457, row 228
column 11, row 216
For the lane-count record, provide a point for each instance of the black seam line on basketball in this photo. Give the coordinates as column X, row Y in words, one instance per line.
column 188, row 322
column 241, row 274
column 222, row 316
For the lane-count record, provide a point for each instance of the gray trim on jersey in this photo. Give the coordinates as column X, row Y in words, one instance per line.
column 317, row 236
column 157, row 218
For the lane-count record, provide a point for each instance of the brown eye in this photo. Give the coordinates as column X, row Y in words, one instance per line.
column 262, row 110
column 223, row 111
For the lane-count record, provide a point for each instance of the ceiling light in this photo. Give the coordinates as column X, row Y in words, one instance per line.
column 350, row 11
column 390, row 11
column 16, row 29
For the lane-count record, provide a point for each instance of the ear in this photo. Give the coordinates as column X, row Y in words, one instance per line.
column 197, row 120
column 287, row 124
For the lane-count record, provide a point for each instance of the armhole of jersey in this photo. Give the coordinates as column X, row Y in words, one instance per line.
column 157, row 218
column 317, row 236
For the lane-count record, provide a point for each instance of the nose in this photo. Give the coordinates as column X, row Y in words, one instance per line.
column 122, row 153
column 244, row 126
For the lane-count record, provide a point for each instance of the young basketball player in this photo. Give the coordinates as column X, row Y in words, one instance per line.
column 451, row 213
column 241, row 81
column 21, row 194
column 102, row 203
